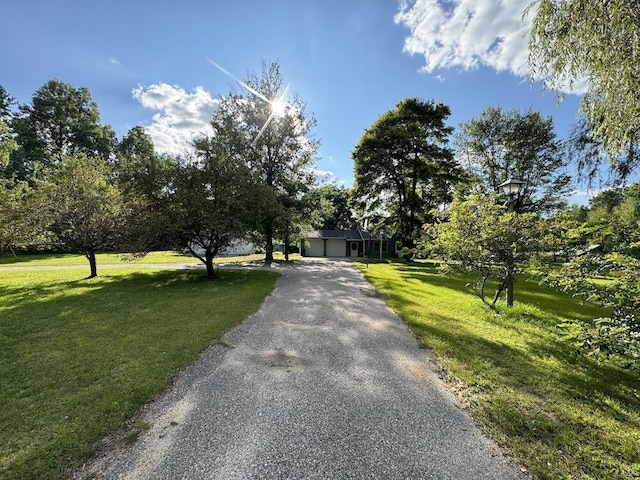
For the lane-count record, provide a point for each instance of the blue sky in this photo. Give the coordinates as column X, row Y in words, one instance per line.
column 145, row 62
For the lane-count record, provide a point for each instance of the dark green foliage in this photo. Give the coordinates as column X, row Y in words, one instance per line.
column 403, row 169
column 62, row 120
column 214, row 198
column 143, row 177
column 327, row 207
column 6, row 104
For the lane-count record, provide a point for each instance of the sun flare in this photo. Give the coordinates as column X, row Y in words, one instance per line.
column 278, row 107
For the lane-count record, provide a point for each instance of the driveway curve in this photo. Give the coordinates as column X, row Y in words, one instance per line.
column 323, row 382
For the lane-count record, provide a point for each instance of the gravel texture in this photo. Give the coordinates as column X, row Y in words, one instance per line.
column 323, row 382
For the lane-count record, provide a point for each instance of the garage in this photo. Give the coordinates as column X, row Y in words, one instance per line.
column 336, row 247
column 313, row 247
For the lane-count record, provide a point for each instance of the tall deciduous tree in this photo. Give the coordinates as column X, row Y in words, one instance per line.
column 62, row 120
column 500, row 145
column 143, row 175
column 83, row 206
column 7, row 146
column 575, row 40
column 403, row 167
column 278, row 142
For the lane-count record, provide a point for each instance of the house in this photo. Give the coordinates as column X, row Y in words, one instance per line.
column 345, row 243
column 239, row 247
column 235, row 248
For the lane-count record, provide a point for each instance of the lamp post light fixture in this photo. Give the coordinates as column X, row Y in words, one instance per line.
column 511, row 188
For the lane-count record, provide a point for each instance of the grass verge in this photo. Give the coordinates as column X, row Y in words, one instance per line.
column 79, row 357
column 560, row 415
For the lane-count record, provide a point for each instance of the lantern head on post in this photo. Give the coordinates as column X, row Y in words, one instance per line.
column 511, row 187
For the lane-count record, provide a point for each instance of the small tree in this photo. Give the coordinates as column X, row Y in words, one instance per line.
column 214, row 200
column 482, row 238
column 83, row 206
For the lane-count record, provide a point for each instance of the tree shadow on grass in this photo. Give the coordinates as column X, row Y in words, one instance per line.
column 78, row 357
column 521, row 375
column 521, row 369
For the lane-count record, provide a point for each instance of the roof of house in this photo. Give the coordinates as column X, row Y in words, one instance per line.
column 340, row 234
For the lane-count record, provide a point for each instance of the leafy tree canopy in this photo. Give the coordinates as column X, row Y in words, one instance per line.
column 7, row 146
column 500, row 145
column 62, row 120
column 599, row 41
column 214, row 200
column 83, row 206
column 6, row 102
column 403, row 168
column 275, row 134
column 327, row 207
column 483, row 238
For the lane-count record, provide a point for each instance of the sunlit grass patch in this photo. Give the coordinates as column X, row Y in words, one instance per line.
column 112, row 258
column 560, row 414
column 79, row 357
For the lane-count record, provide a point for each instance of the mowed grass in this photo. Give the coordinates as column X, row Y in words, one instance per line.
column 79, row 357
column 560, row 415
column 111, row 258
column 103, row 258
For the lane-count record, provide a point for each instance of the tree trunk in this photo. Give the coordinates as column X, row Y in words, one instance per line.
column 268, row 248
column 208, row 257
column 480, row 284
column 91, row 256
column 499, row 291
column 286, row 247
column 509, row 282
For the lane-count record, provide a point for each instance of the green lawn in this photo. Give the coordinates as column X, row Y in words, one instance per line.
column 560, row 415
column 71, row 259
column 79, row 357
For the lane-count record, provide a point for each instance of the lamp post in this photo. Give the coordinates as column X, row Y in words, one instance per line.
column 511, row 188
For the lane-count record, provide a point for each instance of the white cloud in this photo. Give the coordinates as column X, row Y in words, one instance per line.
column 181, row 115
column 467, row 34
column 113, row 61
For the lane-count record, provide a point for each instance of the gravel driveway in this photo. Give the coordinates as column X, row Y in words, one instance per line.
column 323, row 382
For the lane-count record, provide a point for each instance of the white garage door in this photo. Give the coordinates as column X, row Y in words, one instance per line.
column 314, row 247
column 336, row 248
